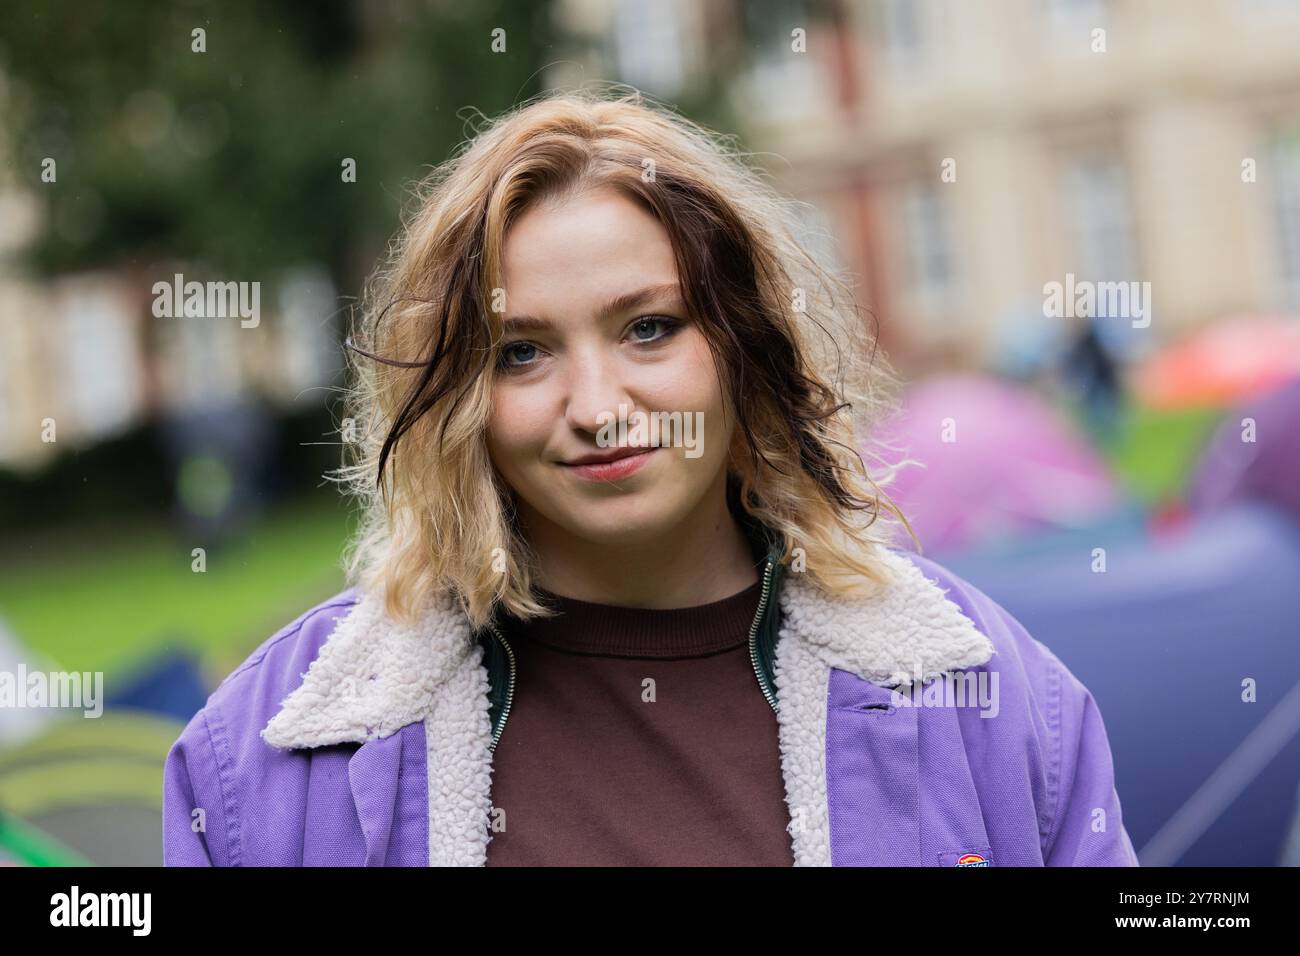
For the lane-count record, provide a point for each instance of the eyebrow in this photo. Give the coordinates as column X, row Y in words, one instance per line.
column 620, row 303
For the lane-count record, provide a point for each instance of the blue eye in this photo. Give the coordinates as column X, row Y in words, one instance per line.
column 508, row 351
column 650, row 321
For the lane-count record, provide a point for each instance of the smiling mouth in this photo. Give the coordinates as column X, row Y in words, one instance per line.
column 627, row 461
column 616, row 455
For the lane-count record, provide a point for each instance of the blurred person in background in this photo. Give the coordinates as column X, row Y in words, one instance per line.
column 1091, row 371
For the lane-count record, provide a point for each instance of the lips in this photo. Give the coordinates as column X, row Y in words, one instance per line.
column 603, row 458
column 612, row 466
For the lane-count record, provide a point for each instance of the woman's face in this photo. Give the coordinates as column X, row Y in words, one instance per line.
column 568, row 367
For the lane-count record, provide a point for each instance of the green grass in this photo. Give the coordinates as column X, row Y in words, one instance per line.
column 102, row 598
column 1156, row 452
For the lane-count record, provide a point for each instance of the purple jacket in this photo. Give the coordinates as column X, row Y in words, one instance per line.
column 920, row 727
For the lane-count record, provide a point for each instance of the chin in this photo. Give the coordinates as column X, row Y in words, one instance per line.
column 606, row 523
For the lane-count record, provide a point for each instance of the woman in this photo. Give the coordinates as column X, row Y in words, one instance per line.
column 624, row 593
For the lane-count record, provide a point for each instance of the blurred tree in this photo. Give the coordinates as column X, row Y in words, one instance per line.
column 233, row 157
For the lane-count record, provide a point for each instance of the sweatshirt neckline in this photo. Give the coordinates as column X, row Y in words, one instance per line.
column 609, row 630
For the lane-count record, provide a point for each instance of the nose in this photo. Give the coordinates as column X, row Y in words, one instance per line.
column 595, row 389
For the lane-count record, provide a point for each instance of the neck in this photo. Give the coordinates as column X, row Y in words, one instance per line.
column 705, row 557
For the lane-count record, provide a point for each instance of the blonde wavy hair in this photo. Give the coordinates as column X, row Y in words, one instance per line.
column 792, row 351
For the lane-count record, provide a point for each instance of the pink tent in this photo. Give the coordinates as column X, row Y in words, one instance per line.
column 996, row 461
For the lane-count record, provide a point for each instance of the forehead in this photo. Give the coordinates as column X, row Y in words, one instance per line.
column 571, row 258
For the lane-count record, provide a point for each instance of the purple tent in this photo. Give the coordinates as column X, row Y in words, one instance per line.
column 1266, row 467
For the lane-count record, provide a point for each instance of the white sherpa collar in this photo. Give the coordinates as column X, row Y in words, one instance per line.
column 908, row 631
column 374, row 676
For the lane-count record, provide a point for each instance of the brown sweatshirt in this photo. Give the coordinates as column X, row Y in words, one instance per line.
column 638, row 737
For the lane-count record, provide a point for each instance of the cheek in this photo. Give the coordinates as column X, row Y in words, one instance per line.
column 692, row 387
column 514, row 430
column 692, row 382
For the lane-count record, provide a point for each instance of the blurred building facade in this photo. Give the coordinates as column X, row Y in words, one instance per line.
column 959, row 156
column 85, row 353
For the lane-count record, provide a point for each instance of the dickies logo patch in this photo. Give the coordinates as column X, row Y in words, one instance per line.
column 971, row 856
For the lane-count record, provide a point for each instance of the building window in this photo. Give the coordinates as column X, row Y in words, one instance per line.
column 900, row 25
column 1285, row 155
column 1067, row 16
column 1101, row 236
column 203, row 361
column 1100, row 216
column 817, row 235
column 1251, row 8
column 786, row 84
column 1070, row 25
column 930, row 269
column 648, row 46
column 100, row 371
column 308, row 351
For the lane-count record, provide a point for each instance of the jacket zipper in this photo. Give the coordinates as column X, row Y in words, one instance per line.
column 753, row 635
column 510, row 686
column 753, row 659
